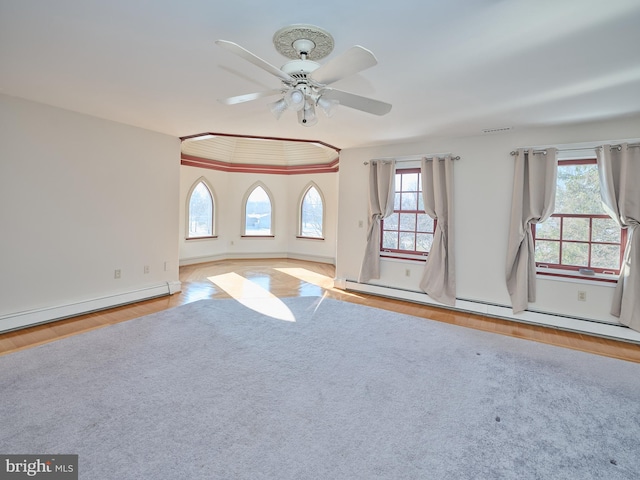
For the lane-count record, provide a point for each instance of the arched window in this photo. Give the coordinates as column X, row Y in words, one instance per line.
column 258, row 213
column 312, row 213
column 201, row 209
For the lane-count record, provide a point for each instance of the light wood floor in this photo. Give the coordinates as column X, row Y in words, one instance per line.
column 289, row 278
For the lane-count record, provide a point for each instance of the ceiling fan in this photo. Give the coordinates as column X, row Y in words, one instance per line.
column 304, row 81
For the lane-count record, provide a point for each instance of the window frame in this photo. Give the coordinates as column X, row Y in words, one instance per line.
column 195, row 185
column 401, row 254
column 245, row 200
column 576, row 271
column 300, row 212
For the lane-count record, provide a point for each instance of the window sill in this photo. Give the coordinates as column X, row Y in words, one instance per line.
column 257, row 236
column 403, row 256
column 576, row 277
column 207, row 237
column 303, row 237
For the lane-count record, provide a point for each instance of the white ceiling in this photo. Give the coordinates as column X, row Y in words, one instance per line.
column 231, row 149
column 451, row 67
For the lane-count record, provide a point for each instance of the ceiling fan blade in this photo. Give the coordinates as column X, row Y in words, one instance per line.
column 248, row 97
column 351, row 100
column 348, row 63
column 257, row 61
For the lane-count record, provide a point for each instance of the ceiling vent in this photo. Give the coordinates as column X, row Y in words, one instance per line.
column 497, row 130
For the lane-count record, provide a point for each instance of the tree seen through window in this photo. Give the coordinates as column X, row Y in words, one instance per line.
column 200, row 212
column 409, row 230
column 311, row 214
column 579, row 234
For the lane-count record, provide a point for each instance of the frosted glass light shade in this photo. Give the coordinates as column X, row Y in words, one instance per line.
column 278, row 107
column 328, row 106
column 295, row 99
column 307, row 116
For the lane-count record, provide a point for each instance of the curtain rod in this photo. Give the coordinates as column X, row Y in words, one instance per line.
column 413, row 158
column 544, row 150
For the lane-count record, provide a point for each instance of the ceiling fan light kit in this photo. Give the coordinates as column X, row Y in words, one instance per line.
column 305, row 82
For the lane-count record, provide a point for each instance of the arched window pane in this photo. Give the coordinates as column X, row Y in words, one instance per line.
column 200, row 212
column 311, row 224
column 258, row 213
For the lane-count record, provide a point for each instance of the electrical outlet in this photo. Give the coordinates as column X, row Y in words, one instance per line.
column 165, row 266
column 360, row 223
column 117, row 273
column 582, row 296
column 407, row 273
column 146, row 269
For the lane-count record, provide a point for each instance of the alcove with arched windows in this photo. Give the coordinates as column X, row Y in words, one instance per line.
column 300, row 223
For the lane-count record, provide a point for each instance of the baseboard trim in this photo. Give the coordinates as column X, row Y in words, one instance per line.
column 28, row 318
column 573, row 324
column 312, row 258
column 249, row 256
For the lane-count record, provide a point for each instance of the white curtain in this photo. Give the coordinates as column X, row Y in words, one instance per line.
column 439, row 279
column 619, row 172
column 381, row 195
column 534, row 192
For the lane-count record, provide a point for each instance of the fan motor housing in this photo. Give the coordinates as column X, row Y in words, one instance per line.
column 300, row 68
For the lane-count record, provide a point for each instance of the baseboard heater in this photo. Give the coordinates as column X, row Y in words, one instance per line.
column 28, row 318
column 573, row 324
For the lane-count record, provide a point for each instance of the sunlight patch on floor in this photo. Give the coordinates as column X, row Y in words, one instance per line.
column 308, row 276
column 253, row 296
column 314, row 278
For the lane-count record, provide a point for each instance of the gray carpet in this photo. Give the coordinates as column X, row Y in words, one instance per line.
column 214, row 390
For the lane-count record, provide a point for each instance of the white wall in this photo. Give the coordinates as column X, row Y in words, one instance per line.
column 483, row 184
column 79, row 198
column 229, row 190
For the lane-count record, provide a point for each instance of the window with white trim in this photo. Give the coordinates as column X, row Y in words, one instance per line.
column 579, row 238
column 408, row 232
column 200, row 211
column 258, row 213
column 311, row 213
